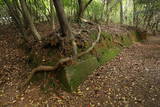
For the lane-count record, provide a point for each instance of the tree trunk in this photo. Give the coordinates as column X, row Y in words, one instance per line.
column 65, row 28
column 107, row 12
column 80, row 11
column 29, row 20
column 62, row 18
column 82, row 8
column 121, row 12
column 15, row 13
column 134, row 12
column 52, row 14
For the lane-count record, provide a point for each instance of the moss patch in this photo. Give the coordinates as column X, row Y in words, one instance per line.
column 107, row 54
column 126, row 40
column 74, row 75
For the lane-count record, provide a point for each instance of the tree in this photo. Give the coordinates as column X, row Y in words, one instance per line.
column 15, row 12
column 82, row 7
column 52, row 14
column 121, row 12
column 28, row 17
column 65, row 27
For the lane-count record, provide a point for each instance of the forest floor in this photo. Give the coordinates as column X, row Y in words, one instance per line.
column 132, row 79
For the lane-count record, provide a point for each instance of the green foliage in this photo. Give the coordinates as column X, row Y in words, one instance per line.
column 77, row 73
column 146, row 12
column 95, row 10
column 107, row 54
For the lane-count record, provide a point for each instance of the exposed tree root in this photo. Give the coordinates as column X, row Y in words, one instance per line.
column 62, row 63
column 87, row 21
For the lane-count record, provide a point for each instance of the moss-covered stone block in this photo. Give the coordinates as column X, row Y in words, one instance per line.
column 105, row 54
column 72, row 76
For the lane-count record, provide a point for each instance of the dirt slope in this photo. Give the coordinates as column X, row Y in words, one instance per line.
column 132, row 79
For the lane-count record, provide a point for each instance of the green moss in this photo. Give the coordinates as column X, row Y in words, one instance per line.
column 104, row 35
column 107, row 36
column 79, row 72
column 74, row 75
column 87, row 56
column 93, row 35
column 126, row 40
column 107, row 54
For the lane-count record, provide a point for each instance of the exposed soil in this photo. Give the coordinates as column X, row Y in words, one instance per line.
column 132, row 79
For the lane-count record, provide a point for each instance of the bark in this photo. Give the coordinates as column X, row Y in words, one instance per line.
column 15, row 13
column 65, row 28
column 82, row 7
column 121, row 12
column 107, row 12
column 12, row 11
column 134, row 11
column 135, row 17
column 29, row 20
column 52, row 14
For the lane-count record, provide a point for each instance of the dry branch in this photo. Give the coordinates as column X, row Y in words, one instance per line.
column 61, row 63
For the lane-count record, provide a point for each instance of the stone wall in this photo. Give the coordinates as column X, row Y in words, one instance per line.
column 109, row 47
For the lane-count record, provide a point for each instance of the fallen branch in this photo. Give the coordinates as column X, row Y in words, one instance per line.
column 62, row 63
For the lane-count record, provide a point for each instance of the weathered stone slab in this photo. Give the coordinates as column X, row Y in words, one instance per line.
column 72, row 76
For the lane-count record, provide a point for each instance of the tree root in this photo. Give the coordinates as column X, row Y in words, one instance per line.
column 87, row 21
column 62, row 63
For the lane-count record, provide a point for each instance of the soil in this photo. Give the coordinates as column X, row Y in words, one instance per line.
column 132, row 79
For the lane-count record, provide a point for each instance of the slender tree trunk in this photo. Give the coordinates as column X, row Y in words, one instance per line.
column 121, row 12
column 134, row 12
column 107, row 12
column 65, row 28
column 80, row 11
column 13, row 10
column 66, row 31
column 52, row 14
column 82, row 7
column 29, row 20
